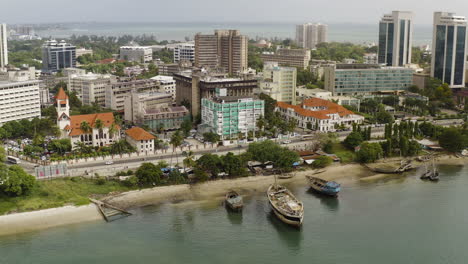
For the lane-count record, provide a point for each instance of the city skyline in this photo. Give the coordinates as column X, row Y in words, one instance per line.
column 213, row 11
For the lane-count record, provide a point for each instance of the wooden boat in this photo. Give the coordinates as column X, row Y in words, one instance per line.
column 285, row 205
column 234, row 200
column 318, row 171
column 324, row 187
column 286, row 176
column 432, row 175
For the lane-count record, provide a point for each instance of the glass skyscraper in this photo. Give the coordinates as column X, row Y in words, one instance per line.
column 57, row 56
column 449, row 49
column 395, row 38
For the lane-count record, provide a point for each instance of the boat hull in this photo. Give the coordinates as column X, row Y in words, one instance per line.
column 292, row 221
column 324, row 191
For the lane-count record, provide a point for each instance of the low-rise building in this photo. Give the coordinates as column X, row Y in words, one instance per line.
column 229, row 116
column 140, row 139
column 279, row 82
column 298, row 58
column 136, row 53
column 83, row 51
column 362, row 79
column 318, row 114
column 370, row 58
column 154, row 110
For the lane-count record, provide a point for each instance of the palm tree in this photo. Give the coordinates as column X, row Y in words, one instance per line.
column 112, row 130
column 188, row 161
column 85, row 127
column 176, row 140
column 99, row 125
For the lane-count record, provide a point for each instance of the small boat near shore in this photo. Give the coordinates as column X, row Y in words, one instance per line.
column 322, row 186
column 432, row 175
column 285, row 205
column 234, row 201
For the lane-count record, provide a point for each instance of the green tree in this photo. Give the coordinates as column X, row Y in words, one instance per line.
column 148, row 174
column 210, row 163
column 211, row 137
column 369, row 152
column 2, row 154
column 322, row 162
column 353, row 140
column 176, row 141
column 232, row 165
column 270, row 151
column 186, row 126
column 60, row 145
column 15, row 181
column 384, row 117
column 453, row 140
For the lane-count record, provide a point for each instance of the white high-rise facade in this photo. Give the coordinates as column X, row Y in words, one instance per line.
column 184, row 51
column 309, row 35
column 3, row 46
column 449, row 49
column 396, row 38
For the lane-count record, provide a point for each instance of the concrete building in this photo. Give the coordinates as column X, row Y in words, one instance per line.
column 184, row 52
column 3, row 46
column 91, row 88
column 19, row 96
column 136, row 54
column 166, row 84
column 57, row 56
column 421, row 80
column 396, row 38
column 168, row 69
column 102, row 128
column 226, row 49
column 318, row 114
column 229, row 116
column 120, row 88
column 279, row 82
column 83, row 51
column 154, row 110
column 303, row 94
column 309, row 35
column 361, row 79
column 449, row 49
column 288, row 57
column 141, row 140
column 192, row 87
column 370, row 58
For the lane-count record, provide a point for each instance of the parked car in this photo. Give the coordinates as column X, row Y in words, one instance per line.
column 109, row 162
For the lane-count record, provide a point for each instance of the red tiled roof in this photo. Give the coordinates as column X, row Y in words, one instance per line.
column 138, row 133
column 67, row 127
column 61, row 95
column 330, row 108
column 76, row 120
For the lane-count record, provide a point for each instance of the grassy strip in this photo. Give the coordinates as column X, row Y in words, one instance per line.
column 59, row 192
column 343, row 153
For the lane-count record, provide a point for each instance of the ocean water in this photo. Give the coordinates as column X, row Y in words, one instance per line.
column 404, row 220
column 354, row 33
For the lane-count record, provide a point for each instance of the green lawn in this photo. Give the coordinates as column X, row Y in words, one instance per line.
column 59, row 192
column 343, row 153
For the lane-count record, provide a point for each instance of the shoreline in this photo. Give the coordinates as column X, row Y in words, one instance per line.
column 67, row 215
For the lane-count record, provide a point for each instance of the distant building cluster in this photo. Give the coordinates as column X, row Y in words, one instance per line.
column 309, row 35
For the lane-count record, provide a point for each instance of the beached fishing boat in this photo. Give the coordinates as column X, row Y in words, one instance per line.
column 324, row 187
column 285, row 205
column 234, row 200
column 432, row 175
column 285, row 176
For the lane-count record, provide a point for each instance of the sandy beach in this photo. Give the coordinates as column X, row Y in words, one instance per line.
column 37, row 220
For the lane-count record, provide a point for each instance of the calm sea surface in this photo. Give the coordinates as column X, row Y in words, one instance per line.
column 403, row 220
column 355, row 33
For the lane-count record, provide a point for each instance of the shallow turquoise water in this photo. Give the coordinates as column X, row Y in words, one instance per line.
column 399, row 221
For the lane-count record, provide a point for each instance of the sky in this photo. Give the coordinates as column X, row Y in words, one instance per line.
column 326, row 11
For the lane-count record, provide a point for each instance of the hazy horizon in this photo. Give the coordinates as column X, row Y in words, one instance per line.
column 219, row 11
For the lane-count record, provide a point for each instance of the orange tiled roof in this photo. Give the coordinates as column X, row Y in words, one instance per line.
column 76, row 120
column 138, row 133
column 61, row 95
column 67, row 127
column 330, row 108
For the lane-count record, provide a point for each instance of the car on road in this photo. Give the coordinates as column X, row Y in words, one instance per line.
column 109, row 162
column 286, row 142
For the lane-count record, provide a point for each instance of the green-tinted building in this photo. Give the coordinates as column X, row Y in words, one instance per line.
column 228, row 116
column 361, row 79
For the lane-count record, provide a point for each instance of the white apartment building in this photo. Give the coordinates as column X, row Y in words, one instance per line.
column 140, row 139
column 166, row 85
column 370, row 58
column 91, row 88
column 19, row 98
column 309, row 35
column 136, row 53
column 184, row 51
column 3, row 46
column 279, row 82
